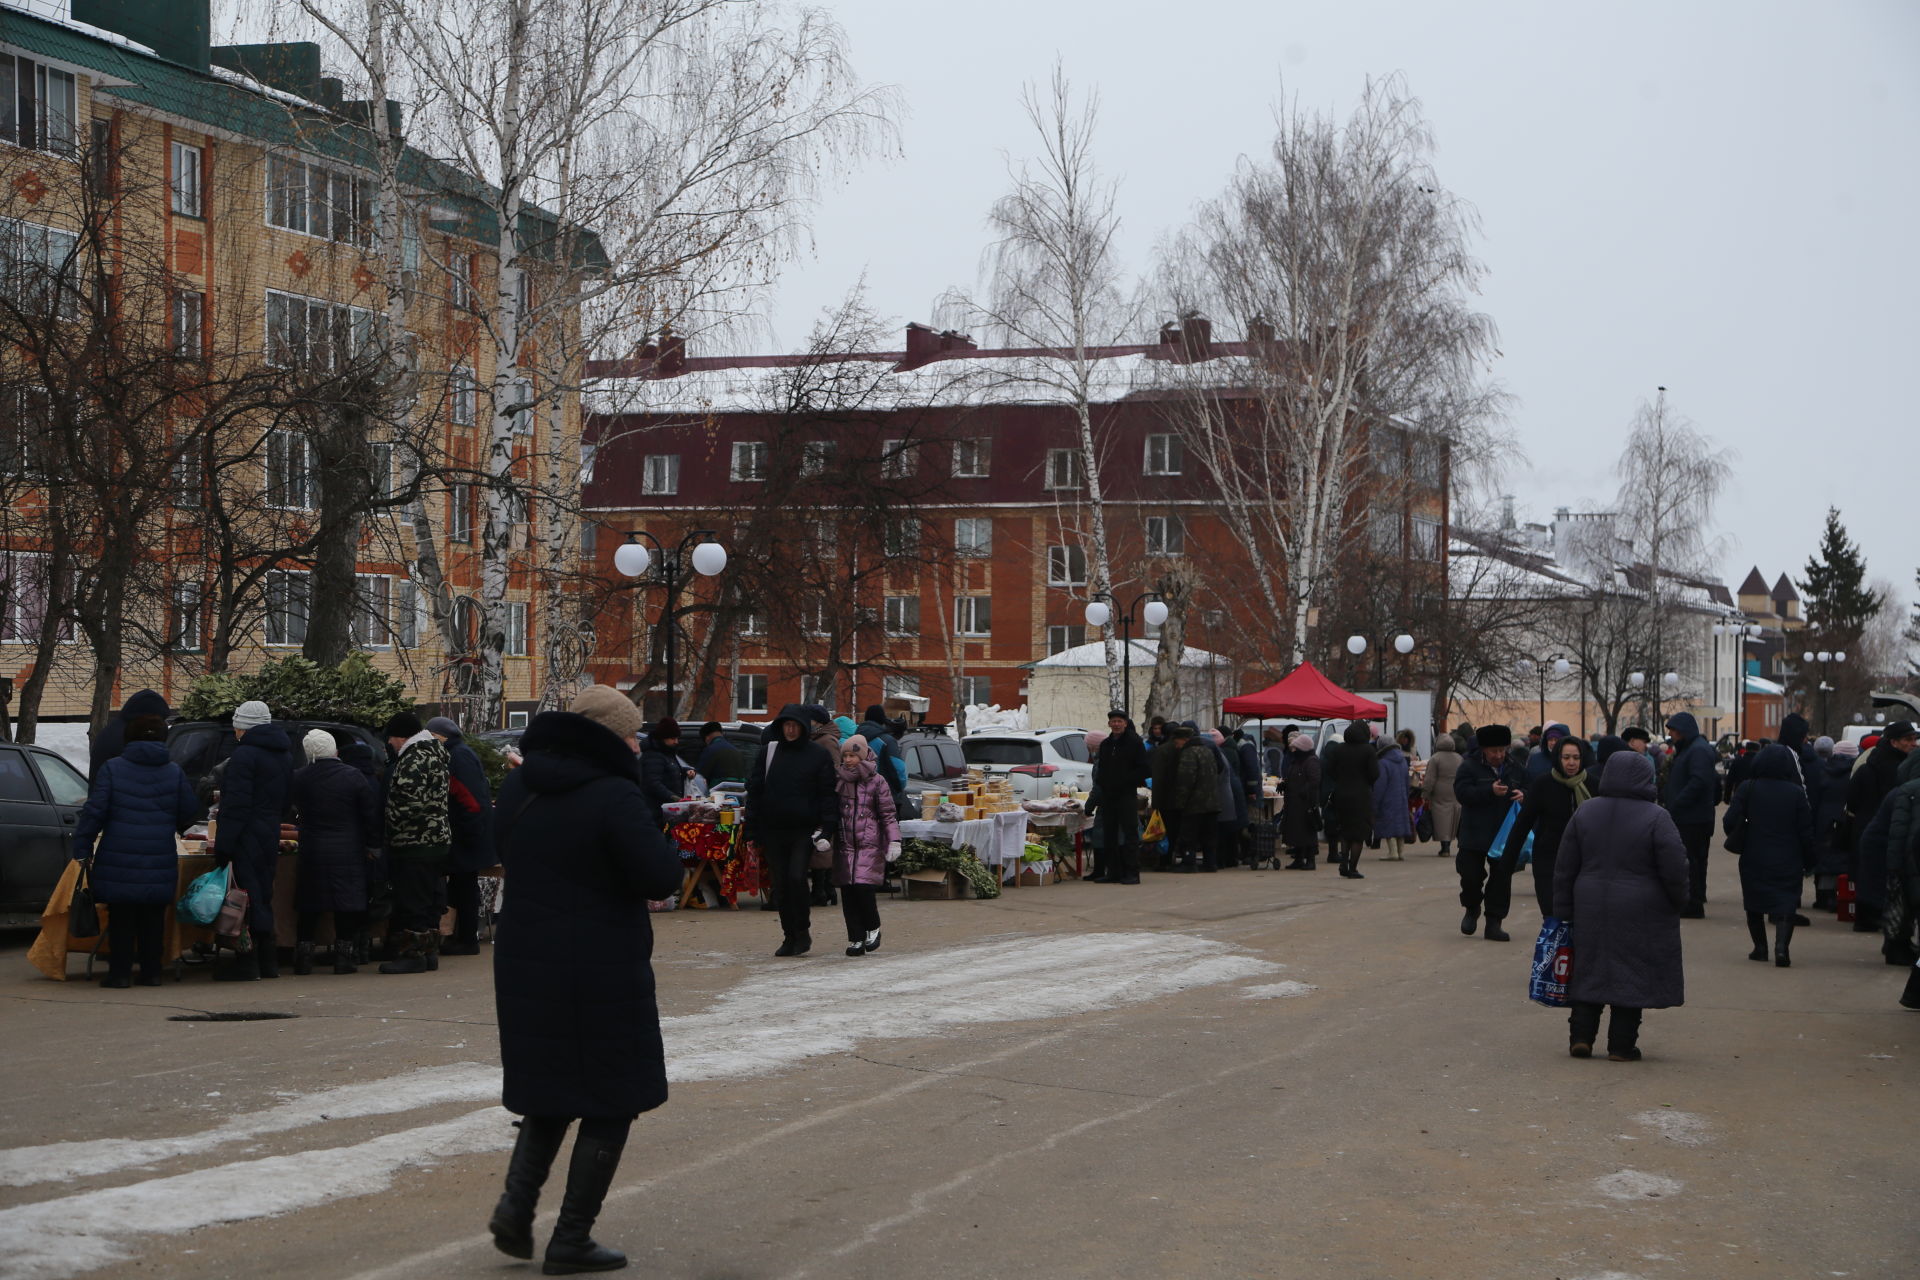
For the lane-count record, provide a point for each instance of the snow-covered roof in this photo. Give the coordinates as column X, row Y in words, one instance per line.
column 1141, row 653
column 1756, row 684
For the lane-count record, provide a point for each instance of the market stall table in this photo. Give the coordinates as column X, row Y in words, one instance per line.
column 999, row 840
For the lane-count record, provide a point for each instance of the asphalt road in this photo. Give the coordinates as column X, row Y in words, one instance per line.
column 1244, row 1074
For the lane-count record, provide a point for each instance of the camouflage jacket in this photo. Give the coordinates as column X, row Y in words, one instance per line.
column 417, row 796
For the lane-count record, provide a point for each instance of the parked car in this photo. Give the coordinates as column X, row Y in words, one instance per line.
column 40, row 800
column 201, row 746
column 1034, row 759
column 934, row 763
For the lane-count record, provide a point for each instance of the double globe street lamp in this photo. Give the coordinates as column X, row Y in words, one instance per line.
column 1560, row 668
column 632, row 559
column 1826, row 658
column 1101, row 607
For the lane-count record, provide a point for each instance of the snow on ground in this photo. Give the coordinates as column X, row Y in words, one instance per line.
column 774, row 1020
column 1279, row 990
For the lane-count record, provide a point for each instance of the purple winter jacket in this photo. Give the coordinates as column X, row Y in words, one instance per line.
column 868, row 824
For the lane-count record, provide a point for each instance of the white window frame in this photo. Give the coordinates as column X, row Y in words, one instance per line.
column 286, row 620
column 973, row 616
column 294, row 315
column 973, row 537
column 749, row 464
column 33, row 257
column 1069, row 461
column 460, row 512
column 460, row 280
column 1385, row 535
column 974, row 691
column 288, row 471
column 903, row 537
column 1060, row 565
column 516, row 639
column 188, row 335
column 815, row 457
column 23, row 609
column 660, row 475
column 521, row 389
column 189, row 479
column 899, row 687
column 896, row 459
column 55, row 96
column 463, row 395
column 749, row 693
column 1426, row 538
column 409, row 612
column 753, row 623
column 1061, row 637
column 372, row 617
column 972, row 458
column 1171, row 457
column 380, row 470
column 901, row 615
column 291, row 199
column 25, row 424
column 185, row 179
column 1166, row 536
column 816, row 691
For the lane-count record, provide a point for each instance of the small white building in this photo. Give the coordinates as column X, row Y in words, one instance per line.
column 1070, row 688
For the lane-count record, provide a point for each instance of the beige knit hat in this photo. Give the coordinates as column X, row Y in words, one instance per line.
column 607, row 706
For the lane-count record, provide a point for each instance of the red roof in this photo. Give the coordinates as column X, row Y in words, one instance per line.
column 1304, row 692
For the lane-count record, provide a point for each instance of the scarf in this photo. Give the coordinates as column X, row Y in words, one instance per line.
column 1576, row 784
column 851, row 778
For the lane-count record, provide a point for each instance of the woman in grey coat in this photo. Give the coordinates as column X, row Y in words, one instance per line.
column 1442, row 803
column 1620, row 882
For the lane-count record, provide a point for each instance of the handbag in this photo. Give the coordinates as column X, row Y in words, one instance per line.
column 232, row 920
column 1552, row 964
column 200, row 904
column 83, row 917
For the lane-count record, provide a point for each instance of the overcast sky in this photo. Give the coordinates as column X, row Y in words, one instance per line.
column 1718, row 198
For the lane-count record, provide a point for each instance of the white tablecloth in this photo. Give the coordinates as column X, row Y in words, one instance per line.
column 997, row 840
column 1065, row 820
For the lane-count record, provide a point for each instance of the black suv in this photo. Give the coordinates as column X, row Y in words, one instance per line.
column 197, row 746
column 40, row 799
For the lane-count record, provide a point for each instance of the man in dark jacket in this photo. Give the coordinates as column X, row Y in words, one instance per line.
column 663, row 777
column 112, row 738
column 720, row 761
column 1738, row 769
column 1692, row 787
column 418, row 839
column 1119, row 770
column 1487, row 785
column 791, row 796
column 470, row 819
column 254, row 793
column 1161, row 763
column 1539, row 762
column 1872, row 779
column 1193, row 788
column 878, row 731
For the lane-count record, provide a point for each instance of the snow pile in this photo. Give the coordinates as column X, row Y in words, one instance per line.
column 985, row 716
column 68, row 740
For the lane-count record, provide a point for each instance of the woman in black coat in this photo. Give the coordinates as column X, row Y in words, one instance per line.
column 337, row 811
column 1620, row 882
column 573, row 974
column 1352, row 767
column 1548, row 808
column 663, row 776
column 1300, row 808
column 1771, row 812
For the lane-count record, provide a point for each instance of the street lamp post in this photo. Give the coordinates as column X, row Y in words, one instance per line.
column 1557, row 663
column 632, row 559
column 1826, row 659
column 1100, row 611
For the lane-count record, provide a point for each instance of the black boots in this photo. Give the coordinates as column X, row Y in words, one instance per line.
column 268, row 953
column 1495, row 933
column 1757, row 930
column 533, row 1153
column 413, row 956
column 1349, row 861
column 343, row 956
column 1782, row 937
column 589, row 1175
column 796, row 945
column 302, row 959
column 1910, row 998
column 246, row 966
column 1470, row 922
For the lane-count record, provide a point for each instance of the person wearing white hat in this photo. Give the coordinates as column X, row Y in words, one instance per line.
column 254, row 795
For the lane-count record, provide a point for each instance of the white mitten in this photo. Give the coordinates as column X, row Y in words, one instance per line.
column 822, row 844
column 893, row 852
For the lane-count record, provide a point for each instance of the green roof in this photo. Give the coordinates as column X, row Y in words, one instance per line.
column 209, row 98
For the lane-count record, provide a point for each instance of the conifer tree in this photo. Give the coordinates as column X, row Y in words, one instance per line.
column 1839, row 602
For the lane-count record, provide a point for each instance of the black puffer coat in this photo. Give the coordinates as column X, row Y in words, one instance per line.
column 572, row 962
column 138, row 803
column 1772, row 806
column 112, row 738
column 792, row 785
column 1545, row 813
column 338, row 812
column 663, row 779
column 472, row 847
column 1831, row 832
column 1300, row 813
column 1352, row 767
column 1621, row 879
column 255, row 796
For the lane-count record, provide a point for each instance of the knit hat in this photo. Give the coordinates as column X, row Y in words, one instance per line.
column 855, row 742
column 1823, row 745
column 1493, row 735
column 609, row 708
column 319, row 745
column 1181, row 731
column 1301, row 742
column 711, row 726
column 666, row 728
column 1846, row 750
column 251, row 714
column 404, row 724
column 444, row 727
column 846, row 726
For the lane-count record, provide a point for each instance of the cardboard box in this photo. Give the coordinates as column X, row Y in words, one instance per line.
column 932, row 884
column 1030, row 879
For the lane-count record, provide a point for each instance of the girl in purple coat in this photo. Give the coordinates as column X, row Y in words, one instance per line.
column 869, row 840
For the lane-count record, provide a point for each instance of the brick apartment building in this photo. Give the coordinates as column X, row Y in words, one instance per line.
column 986, row 483
column 249, row 171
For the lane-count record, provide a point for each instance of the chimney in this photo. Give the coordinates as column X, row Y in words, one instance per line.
column 661, row 357
column 1260, row 331
column 292, row 67
column 178, row 30
column 1196, row 333
column 924, row 345
column 1506, row 511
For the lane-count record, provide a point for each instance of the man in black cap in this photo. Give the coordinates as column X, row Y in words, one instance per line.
column 1637, row 739
column 720, row 760
column 1487, row 784
column 1872, row 779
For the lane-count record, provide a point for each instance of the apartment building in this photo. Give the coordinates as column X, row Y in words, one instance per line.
column 238, row 185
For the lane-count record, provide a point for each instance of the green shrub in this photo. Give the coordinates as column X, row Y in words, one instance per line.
column 355, row 692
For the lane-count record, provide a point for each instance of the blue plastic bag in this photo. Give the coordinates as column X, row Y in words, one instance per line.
column 1552, row 964
column 1499, row 849
column 200, row 904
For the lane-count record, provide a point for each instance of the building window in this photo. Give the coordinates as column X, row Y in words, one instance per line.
column 186, row 180
column 899, row 687
column 463, row 393
column 826, row 538
column 189, row 307
column 1165, row 455
column 973, row 691
column 34, row 260
column 1064, row 469
column 372, row 610
column 902, row 538
column 749, row 693
column 25, row 430
column 23, row 597
column 660, row 475
column 516, row 646
column 749, row 460
column 896, row 459
column 183, row 624
column 39, row 106
column 460, row 513
column 460, row 281
column 816, row 691
column 520, row 407
column 1166, row 536
column 753, row 623
column 1426, row 538
column 1383, row 531
column 815, row 457
column 407, row 610
column 310, row 333
column 189, row 478
column 290, row 471
column 287, row 607
column 380, row 471
column 973, row 615
column 1062, row 638
column 973, row 536
column 814, row 617
column 317, row 201
column 1066, row 566
column 902, row 615
column 972, row 458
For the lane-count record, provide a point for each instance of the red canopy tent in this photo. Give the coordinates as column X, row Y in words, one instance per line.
column 1304, row 692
